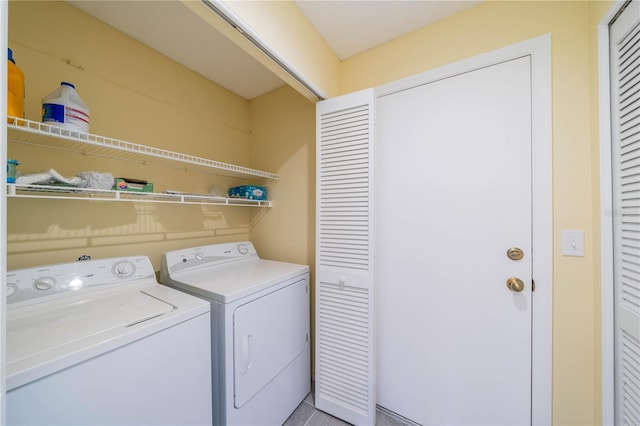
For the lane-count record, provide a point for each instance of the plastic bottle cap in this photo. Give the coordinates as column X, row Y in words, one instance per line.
column 64, row 83
column 11, row 55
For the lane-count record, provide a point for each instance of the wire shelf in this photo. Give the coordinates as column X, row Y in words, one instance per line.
column 73, row 193
column 35, row 133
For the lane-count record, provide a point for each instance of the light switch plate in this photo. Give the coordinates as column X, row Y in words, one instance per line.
column 573, row 243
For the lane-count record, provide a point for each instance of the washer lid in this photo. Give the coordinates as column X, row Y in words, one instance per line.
column 232, row 281
column 37, row 329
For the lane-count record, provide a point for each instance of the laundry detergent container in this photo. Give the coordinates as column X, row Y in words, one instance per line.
column 15, row 88
column 63, row 107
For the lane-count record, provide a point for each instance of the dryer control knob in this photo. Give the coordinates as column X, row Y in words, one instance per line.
column 243, row 249
column 199, row 257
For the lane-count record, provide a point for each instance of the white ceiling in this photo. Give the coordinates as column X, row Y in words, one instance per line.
column 348, row 26
column 351, row 27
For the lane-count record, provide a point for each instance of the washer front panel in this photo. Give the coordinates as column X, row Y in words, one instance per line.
column 61, row 315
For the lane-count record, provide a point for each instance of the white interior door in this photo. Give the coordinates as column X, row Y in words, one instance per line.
column 625, row 167
column 454, row 193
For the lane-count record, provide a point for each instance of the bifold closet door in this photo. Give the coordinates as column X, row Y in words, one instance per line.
column 344, row 351
column 625, row 157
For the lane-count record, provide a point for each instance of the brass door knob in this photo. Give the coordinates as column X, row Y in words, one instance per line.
column 515, row 284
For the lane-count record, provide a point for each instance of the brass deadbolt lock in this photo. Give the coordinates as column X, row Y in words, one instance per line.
column 514, row 253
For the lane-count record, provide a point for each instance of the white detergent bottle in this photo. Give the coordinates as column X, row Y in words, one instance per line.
column 64, row 107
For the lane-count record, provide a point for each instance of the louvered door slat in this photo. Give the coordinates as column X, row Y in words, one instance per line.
column 625, row 88
column 344, row 366
column 348, row 396
column 629, row 83
column 631, row 372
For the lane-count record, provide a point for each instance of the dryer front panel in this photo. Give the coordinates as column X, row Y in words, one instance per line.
column 269, row 333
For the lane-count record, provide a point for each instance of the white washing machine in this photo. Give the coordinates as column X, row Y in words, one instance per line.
column 97, row 342
column 260, row 329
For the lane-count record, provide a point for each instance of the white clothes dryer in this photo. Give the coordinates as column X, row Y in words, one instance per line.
column 97, row 342
column 260, row 329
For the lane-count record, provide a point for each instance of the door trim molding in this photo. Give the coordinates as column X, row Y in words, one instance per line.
column 4, row 20
column 606, row 216
column 539, row 49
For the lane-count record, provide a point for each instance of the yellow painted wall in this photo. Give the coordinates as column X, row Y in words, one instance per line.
column 283, row 141
column 134, row 94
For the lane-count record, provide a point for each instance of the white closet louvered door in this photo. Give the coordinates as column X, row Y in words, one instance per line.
column 625, row 89
column 344, row 351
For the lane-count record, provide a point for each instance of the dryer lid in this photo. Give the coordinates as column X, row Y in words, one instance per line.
column 37, row 329
column 230, row 282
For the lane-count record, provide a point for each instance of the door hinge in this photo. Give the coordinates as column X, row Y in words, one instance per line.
column 533, row 285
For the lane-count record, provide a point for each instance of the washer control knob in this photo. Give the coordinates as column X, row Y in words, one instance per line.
column 11, row 289
column 199, row 257
column 44, row 283
column 243, row 249
column 123, row 269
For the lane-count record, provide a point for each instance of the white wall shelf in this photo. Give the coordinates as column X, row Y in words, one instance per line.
column 35, row 133
column 40, row 134
column 72, row 193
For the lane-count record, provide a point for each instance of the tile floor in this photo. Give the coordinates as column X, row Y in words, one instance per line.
column 307, row 415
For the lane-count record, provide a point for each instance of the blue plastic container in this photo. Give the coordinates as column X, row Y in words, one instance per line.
column 11, row 170
column 250, row 192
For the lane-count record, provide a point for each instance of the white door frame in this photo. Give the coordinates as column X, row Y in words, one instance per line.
column 539, row 49
column 606, row 216
column 4, row 37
